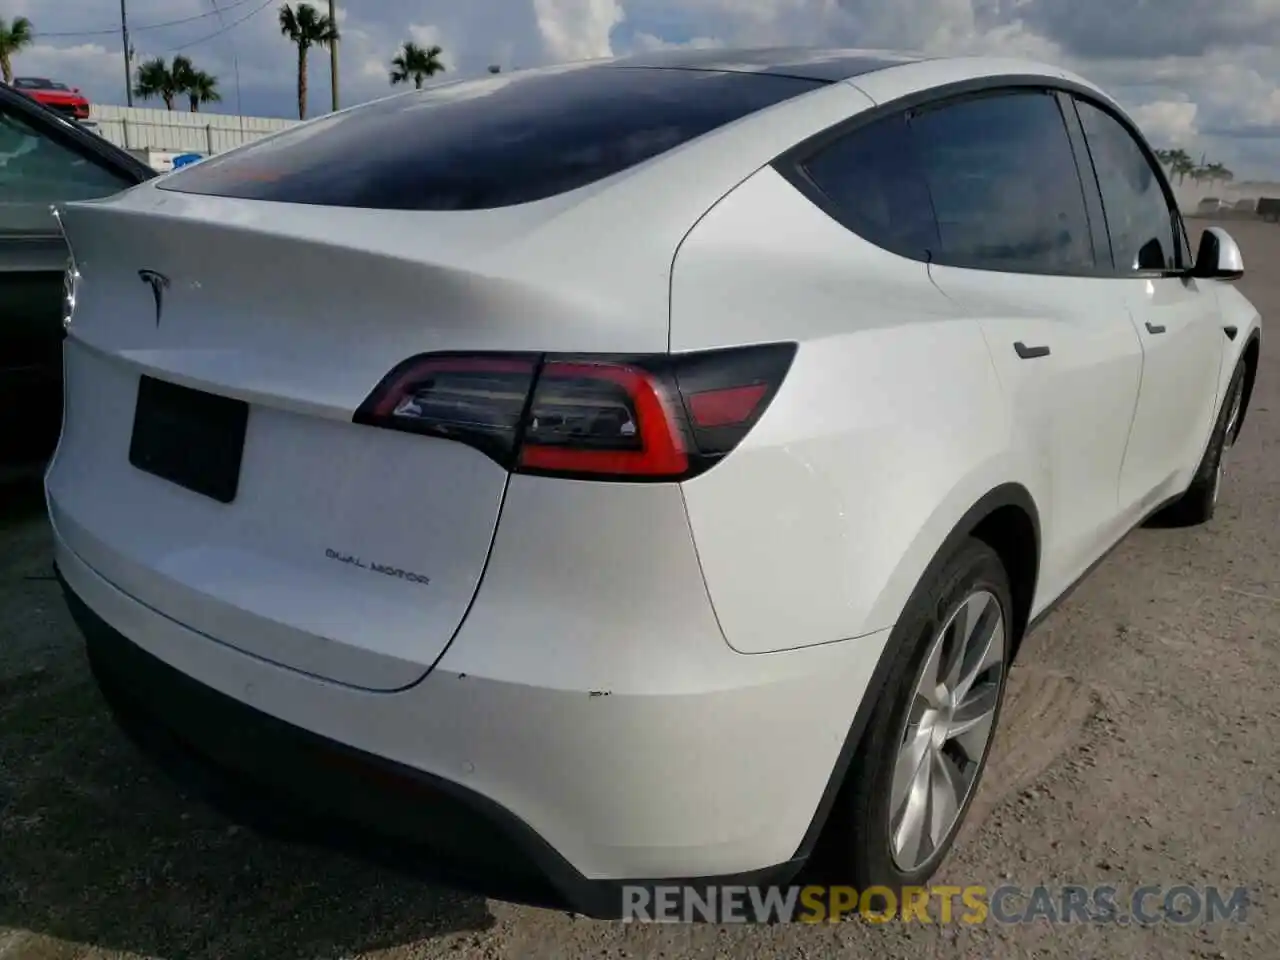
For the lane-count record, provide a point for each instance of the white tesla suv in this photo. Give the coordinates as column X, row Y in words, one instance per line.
column 631, row 471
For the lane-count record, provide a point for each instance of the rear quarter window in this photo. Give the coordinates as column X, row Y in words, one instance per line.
column 869, row 181
column 489, row 143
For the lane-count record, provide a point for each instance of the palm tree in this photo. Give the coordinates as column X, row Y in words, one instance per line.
column 414, row 62
column 168, row 81
column 13, row 37
column 1180, row 163
column 306, row 28
column 157, row 79
column 201, row 88
column 1217, row 171
column 182, row 70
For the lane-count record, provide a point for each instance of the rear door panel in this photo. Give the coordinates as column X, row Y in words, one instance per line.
column 1074, row 404
column 1019, row 249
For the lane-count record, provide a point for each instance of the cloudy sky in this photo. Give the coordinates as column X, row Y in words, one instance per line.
column 1200, row 74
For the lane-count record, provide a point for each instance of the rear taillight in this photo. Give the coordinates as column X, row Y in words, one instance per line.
column 664, row 417
column 477, row 399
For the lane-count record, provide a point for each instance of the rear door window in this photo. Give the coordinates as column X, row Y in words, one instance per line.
column 1004, row 184
column 489, row 143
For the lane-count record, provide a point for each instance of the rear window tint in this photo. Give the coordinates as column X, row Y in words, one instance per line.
column 873, row 185
column 489, row 143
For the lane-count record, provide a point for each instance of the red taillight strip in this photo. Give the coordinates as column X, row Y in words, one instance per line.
column 662, row 450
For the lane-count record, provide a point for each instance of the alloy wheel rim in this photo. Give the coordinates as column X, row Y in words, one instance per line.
column 948, row 728
column 1233, row 419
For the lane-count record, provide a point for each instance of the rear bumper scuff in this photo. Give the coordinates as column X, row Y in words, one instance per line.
column 272, row 774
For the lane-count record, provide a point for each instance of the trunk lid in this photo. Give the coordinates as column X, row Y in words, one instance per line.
column 348, row 552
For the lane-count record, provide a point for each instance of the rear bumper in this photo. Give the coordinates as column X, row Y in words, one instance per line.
column 534, row 793
column 257, row 768
column 261, row 770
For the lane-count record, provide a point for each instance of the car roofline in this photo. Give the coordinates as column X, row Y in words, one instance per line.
column 839, row 64
column 815, row 64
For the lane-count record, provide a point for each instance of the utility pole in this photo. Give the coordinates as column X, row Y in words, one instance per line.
column 333, row 51
column 128, row 55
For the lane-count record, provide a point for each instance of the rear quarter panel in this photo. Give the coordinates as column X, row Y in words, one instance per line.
column 890, row 425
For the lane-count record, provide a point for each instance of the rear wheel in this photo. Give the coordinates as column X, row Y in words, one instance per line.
column 927, row 742
column 1199, row 503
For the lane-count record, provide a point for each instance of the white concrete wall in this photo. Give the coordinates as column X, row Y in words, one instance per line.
column 146, row 128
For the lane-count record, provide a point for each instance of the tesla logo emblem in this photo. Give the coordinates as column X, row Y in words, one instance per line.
column 159, row 283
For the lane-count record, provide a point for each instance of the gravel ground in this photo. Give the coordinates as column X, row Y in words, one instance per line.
column 1139, row 747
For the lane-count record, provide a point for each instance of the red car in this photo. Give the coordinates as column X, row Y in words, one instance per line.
column 60, row 98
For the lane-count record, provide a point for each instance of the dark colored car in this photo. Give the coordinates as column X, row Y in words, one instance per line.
column 58, row 97
column 45, row 159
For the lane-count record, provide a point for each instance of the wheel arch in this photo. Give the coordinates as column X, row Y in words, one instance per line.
column 1012, row 530
column 1251, row 354
column 1007, row 520
column 1005, row 517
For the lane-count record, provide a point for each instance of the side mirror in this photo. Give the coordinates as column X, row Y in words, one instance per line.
column 1219, row 256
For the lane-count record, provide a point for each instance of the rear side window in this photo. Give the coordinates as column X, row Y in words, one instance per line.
column 1004, row 184
column 870, row 183
column 489, row 143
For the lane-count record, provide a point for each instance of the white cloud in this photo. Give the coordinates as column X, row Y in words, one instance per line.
column 1242, row 94
column 1167, row 123
column 577, row 29
column 649, row 41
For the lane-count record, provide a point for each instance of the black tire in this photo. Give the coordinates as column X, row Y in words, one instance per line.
column 855, row 847
column 1199, row 503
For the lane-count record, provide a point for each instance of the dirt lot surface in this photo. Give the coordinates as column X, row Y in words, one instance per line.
column 1139, row 747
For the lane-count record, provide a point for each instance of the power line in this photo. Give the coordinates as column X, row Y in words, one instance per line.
column 227, row 29
column 147, row 26
column 235, row 62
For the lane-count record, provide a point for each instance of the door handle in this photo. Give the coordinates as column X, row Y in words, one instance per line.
column 1231, row 332
column 1155, row 327
column 1030, row 353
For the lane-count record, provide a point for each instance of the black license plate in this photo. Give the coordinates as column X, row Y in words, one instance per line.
column 189, row 437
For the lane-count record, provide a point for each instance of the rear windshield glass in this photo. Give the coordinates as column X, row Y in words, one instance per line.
column 489, row 143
